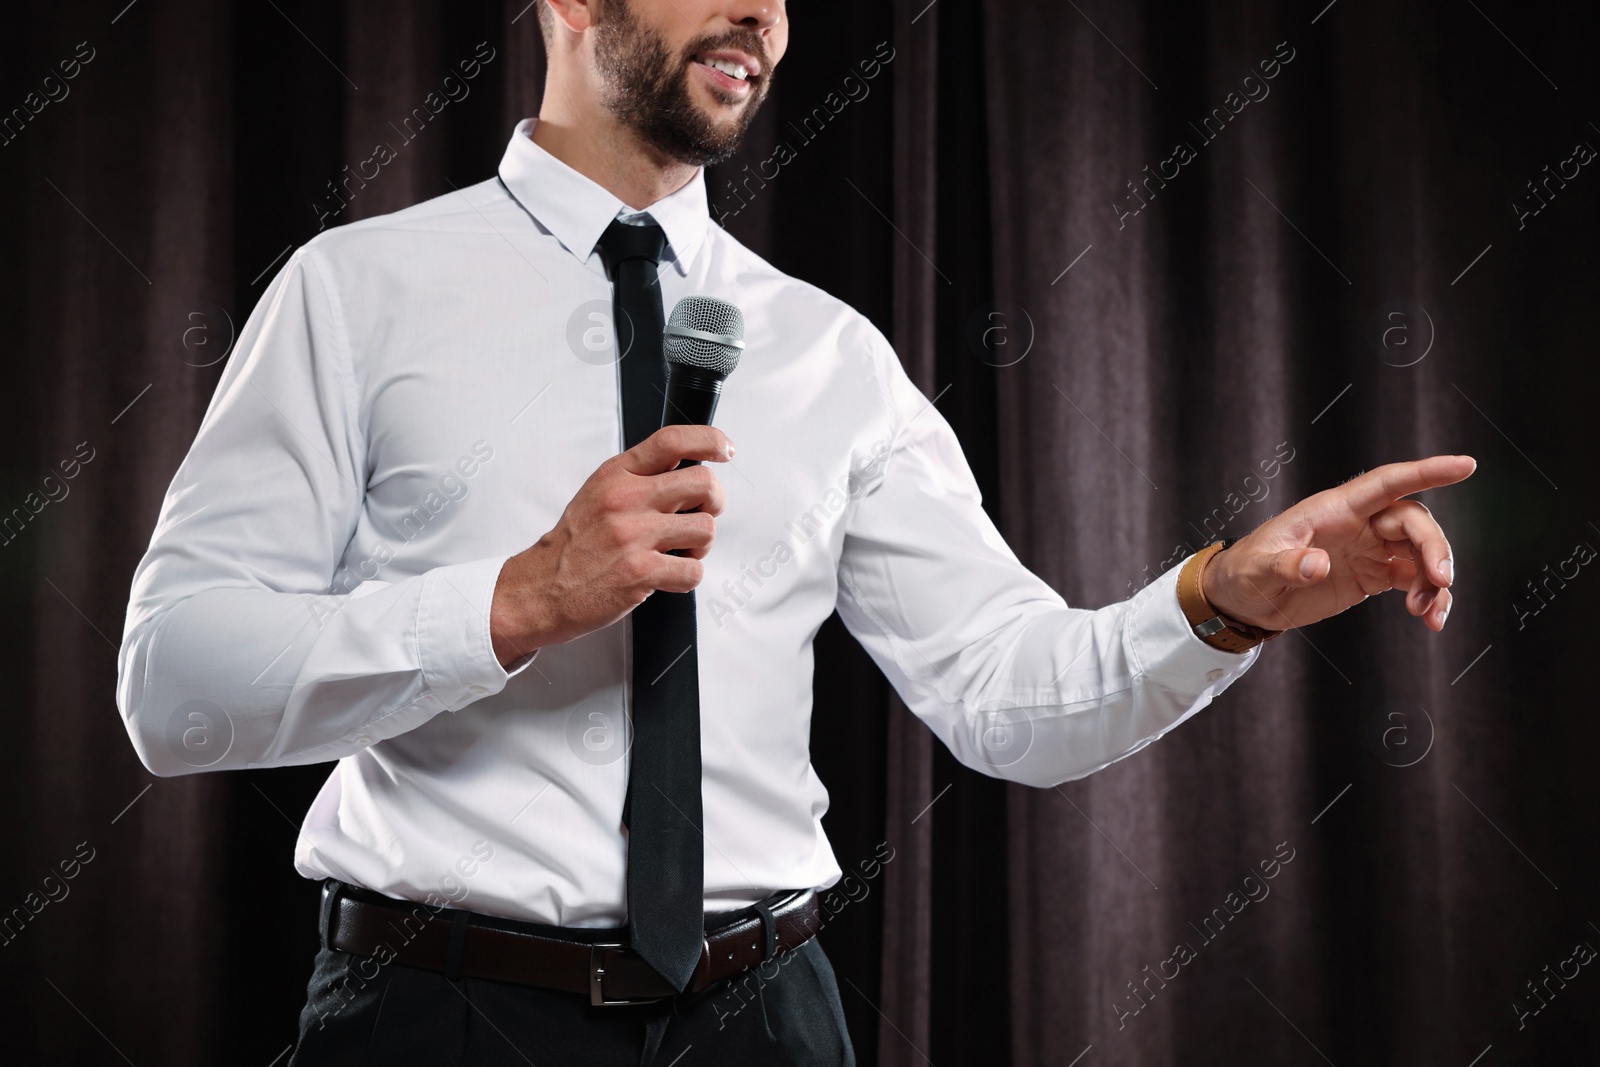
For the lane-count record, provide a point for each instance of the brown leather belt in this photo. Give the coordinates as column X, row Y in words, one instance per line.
column 458, row 943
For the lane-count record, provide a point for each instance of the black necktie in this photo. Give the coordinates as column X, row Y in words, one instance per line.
column 666, row 855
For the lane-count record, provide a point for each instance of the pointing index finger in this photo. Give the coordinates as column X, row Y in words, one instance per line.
column 1382, row 486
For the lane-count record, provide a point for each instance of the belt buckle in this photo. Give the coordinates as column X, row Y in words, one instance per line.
column 597, row 974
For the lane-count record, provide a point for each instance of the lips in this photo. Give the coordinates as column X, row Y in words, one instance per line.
column 733, row 68
column 722, row 81
column 730, row 71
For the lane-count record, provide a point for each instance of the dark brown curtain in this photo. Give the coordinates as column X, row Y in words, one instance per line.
column 1166, row 269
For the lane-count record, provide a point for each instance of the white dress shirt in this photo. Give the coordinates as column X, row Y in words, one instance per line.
column 417, row 397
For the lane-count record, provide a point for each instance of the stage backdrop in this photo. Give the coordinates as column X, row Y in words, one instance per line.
column 1165, row 268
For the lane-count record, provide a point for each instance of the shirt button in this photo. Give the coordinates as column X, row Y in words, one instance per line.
column 362, row 739
column 1214, row 673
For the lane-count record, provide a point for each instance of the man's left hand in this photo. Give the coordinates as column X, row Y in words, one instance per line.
column 1340, row 546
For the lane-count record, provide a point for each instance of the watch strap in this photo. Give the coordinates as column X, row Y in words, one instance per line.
column 1206, row 622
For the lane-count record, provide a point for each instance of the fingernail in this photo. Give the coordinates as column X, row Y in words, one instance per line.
column 1308, row 566
column 728, row 449
column 1445, row 569
column 1443, row 615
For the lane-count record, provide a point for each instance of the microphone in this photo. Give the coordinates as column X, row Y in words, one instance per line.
column 704, row 339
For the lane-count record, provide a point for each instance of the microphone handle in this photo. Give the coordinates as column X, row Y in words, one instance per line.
column 691, row 400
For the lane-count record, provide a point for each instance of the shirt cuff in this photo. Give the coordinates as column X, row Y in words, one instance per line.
column 1163, row 645
column 454, row 647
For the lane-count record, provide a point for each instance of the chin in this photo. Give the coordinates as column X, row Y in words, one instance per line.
column 715, row 107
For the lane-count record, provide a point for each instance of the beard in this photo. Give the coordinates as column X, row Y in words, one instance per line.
column 646, row 86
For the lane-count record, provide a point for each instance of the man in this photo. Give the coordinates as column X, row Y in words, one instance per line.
column 573, row 818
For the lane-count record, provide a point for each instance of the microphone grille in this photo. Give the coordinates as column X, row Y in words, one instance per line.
column 705, row 332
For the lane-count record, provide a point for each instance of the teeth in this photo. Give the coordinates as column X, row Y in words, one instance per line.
column 731, row 69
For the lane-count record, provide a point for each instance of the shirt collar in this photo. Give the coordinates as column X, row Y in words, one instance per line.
column 577, row 210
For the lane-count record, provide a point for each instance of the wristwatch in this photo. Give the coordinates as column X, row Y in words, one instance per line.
column 1209, row 624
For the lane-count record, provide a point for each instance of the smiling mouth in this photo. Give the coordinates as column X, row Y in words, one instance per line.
column 732, row 76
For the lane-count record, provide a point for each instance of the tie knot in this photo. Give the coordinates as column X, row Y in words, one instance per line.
column 623, row 241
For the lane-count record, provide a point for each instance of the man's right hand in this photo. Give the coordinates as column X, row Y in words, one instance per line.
column 612, row 547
